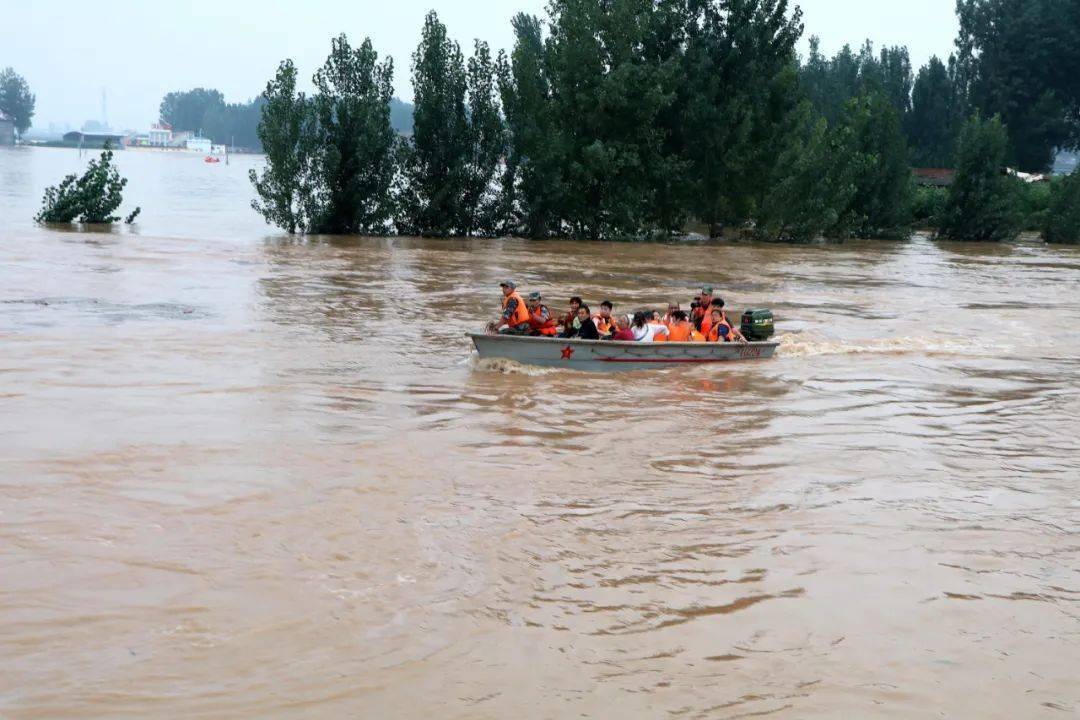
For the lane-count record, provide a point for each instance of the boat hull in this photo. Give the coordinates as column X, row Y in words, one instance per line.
column 607, row 356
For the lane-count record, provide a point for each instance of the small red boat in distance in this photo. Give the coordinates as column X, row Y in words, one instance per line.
column 211, row 159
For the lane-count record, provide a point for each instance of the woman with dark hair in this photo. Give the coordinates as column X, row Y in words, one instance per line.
column 643, row 328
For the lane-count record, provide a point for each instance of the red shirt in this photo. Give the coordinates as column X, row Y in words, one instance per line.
column 626, row 335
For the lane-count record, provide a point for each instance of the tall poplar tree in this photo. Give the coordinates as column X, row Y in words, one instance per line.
column 934, row 122
column 352, row 147
column 532, row 182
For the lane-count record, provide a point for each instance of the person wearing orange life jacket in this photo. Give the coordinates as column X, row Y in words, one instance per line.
column 680, row 329
column 605, row 323
column 721, row 330
column 541, row 322
column 701, row 312
column 706, row 323
column 515, row 316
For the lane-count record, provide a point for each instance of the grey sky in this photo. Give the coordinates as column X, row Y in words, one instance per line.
column 68, row 50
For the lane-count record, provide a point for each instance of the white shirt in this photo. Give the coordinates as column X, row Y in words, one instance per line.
column 649, row 332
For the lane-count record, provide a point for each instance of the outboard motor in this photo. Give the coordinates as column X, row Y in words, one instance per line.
column 757, row 325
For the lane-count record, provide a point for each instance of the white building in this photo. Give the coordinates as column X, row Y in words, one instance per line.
column 199, row 144
column 161, row 134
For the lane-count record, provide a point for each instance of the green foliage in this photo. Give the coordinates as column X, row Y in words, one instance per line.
column 1033, row 203
column 351, row 145
column 329, row 158
column 812, row 187
column 433, row 160
column 448, row 166
column 532, row 188
column 928, row 205
column 285, row 185
column 882, row 205
column 831, row 83
column 16, row 100
column 601, row 56
column 185, row 111
column 936, row 115
column 1061, row 223
column 487, row 146
column 982, row 203
column 1019, row 60
column 739, row 105
column 234, row 124
column 89, row 198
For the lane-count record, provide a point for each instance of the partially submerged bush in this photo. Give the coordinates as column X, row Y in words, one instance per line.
column 1034, row 203
column 1061, row 224
column 929, row 204
column 91, row 198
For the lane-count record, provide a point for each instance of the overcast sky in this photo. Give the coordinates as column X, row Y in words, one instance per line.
column 68, row 51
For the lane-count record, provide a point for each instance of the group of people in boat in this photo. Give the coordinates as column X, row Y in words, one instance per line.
column 706, row 320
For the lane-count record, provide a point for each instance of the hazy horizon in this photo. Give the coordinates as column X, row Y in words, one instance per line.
column 236, row 46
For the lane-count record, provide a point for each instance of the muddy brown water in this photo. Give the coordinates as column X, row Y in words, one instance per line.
column 247, row 476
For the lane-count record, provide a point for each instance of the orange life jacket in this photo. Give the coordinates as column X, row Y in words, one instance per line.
column 521, row 312
column 538, row 324
column 706, row 323
column 695, row 336
column 680, row 331
column 604, row 325
column 714, row 332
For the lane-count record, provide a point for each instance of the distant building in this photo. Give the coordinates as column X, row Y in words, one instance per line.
column 7, row 130
column 96, row 139
column 199, row 144
column 161, row 134
column 179, row 139
column 934, row 177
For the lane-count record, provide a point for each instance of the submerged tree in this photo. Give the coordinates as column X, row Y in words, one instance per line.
column 434, row 162
column 447, row 169
column 982, row 199
column 90, row 198
column 351, row 151
column 532, row 186
column 882, row 205
column 740, row 106
column 1062, row 223
column 16, row 100
column 284, row 186
column 812, row 186
column 329, row 158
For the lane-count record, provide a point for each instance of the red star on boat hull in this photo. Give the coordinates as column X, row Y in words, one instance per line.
column 567, row 352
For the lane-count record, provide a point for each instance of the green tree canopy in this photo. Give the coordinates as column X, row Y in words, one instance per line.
column 532, row 187
column 185, row 110
column 352, row 148
column 882, row 205
column 448, row 165
column 1062, row 224
column 936, row 115
column 982, row 200
column 16, row 100
column 330, row 157
column 1019, row 60
column 92, row 197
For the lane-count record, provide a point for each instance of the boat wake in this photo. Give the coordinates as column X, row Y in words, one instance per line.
column 797, row 345
column 509, row 367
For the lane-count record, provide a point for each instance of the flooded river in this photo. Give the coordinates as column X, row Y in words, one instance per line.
column 243, row 475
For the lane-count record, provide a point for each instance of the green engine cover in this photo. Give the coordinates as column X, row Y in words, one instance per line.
column 757, row 325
